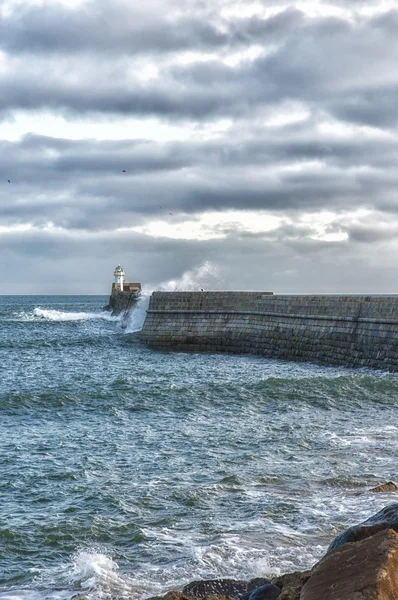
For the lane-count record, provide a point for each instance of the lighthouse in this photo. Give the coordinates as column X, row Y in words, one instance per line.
column 119, row 278
column 124, row 294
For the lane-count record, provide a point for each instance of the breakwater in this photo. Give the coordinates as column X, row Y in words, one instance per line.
column 120, row 302
column 352, row 330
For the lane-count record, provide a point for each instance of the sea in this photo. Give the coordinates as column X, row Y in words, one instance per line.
column 126, row 472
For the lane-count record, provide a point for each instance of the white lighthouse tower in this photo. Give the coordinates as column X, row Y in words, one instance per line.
column 119, row 278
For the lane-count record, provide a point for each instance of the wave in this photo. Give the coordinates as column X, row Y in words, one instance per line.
column 43, row 314
column 90, row 575
column 97, row 574
column 136, row 317
column 205, row 275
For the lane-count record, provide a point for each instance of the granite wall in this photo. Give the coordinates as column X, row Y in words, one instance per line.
column 358, row 331
column 122, row 301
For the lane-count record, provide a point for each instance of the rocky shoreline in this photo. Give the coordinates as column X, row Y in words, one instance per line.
column 360, row 564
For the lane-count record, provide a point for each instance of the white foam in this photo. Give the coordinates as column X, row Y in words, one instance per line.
column 136, row 317
column 89, row 574
column 28, row 594
column 205, row 276
column 43, row 314
column 96, row 572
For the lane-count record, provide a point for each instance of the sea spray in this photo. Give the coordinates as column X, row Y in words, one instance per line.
column 98, row 575
column 136, row 317
column 204, row 276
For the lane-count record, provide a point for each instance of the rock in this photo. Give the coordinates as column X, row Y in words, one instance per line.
column 269, row 591
column 257, row 582
column 225, row 587
column 173, row 595
column 291, row 584
column 387, row 518
column 364, row 570
column 390, row 486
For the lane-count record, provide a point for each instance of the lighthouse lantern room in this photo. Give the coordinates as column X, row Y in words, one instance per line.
column 119, row 278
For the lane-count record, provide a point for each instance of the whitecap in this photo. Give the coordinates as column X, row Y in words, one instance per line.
column 43, row 314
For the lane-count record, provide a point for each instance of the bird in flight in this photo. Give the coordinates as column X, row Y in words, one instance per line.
column 8, row 181
column 170, row 213
column 124, row 171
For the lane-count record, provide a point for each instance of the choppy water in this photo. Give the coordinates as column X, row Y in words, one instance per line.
column 126, row 472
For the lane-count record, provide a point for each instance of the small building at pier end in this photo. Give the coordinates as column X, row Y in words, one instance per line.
column 124, row 293
column 119, row 285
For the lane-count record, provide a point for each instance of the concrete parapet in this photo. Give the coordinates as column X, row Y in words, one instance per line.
column 340, row 330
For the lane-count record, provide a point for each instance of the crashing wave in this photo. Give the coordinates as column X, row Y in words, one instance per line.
column 59, row 315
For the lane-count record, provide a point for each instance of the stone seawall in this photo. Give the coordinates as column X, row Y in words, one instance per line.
column 357, row 331
column 122, row 301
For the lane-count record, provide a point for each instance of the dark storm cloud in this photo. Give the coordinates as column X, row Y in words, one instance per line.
column 107, row 26
column 371, row 233
column 285, row 266
column 120, row 28
column 81, row 184
column 345, row 68
column 88, row 63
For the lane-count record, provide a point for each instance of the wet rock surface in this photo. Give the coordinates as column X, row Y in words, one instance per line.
column 389, row 486
column 364, row 570
column 291, row 584
column 226, row 587
column 182, row 596
column 268, row 591
column 387, row 518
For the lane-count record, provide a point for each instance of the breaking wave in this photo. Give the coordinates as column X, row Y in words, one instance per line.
column 136, row 317
column 43, row 314
column 207, row 276
column 97, row 574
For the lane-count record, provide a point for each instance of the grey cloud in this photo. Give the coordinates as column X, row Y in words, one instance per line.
column 327, row 63
column 371, row 233
column 83, row 62
column 293, row 266
column 81, row 184
column 105, row 26
column 109, row 95
column 372, row 107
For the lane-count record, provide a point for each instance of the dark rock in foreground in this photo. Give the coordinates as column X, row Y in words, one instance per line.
column 291, row 584
column 364, row 570
column 224, row 587
column 268, row 591
column 182, row 596
column 387, row 518
column 285, row 587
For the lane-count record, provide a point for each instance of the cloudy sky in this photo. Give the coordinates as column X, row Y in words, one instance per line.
column 259, row 138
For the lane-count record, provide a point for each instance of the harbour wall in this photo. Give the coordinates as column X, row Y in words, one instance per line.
column 120, row 302
column 351, row 330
